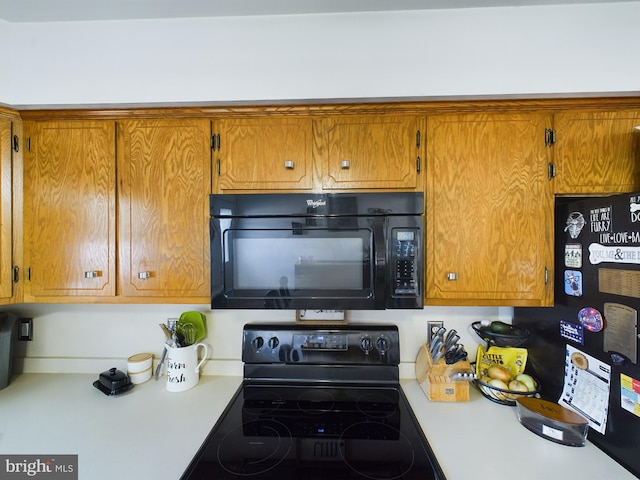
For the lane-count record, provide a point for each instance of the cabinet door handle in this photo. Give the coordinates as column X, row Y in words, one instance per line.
column 452, row 276
column 289, row 164
column 91, row 274
column 345, row 164
column 144, row 275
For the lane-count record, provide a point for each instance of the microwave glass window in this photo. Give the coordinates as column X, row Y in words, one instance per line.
column 322, row 261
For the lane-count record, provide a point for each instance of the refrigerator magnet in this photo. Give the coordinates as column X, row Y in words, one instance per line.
column 573, row 255
column 591, row 319
column 620, row 336
column 572, row 331
column 573, row 283
column 575, row 224
column 630, row 394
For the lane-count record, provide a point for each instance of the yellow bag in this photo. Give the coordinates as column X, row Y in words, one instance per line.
column 512, row 358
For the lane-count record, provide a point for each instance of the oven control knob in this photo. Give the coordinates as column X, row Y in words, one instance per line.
column 273, row 342
column 257, row 343
column 383, row 345
column 366, row 344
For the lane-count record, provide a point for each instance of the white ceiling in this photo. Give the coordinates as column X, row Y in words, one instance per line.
column 19, row 11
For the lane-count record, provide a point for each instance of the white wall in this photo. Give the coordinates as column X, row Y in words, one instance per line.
column 93, row 338
column 495, row 51
column 463, row 52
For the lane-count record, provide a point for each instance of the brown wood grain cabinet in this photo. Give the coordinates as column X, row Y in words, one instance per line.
column 489, row 210
column 6, row 211
column 369, row 151
column 302, row 153
column 486, row 167
column 164, row 178
column 70, row 210
column 597, row 152
column 262, row 154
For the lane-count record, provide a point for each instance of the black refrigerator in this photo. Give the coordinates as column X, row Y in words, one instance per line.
column 584, row 349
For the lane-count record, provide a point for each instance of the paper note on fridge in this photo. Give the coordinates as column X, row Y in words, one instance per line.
column 587, row 382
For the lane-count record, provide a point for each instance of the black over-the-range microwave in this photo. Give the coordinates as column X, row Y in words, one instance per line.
column 340, row 251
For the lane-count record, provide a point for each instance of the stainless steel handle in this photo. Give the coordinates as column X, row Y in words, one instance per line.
column 289, row 164
column 345, row 164
column 452, row 276
column 144, row 275
column 91, row 274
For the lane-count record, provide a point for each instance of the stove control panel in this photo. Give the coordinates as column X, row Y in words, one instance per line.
column 322, row 341
column 343, row 344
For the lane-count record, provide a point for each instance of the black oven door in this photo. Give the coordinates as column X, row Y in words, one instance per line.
column 327, row 263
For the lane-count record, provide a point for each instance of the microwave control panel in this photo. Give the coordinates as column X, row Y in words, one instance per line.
column 404, row 257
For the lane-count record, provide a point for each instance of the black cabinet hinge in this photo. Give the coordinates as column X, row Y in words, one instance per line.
column 29, row 273
column 215, row 142
column 16, row 274
column 29, row 144
column 418, row 139
column 15, row 143
column 218, row 166
column 551, row 170
column 549, row 137
column 418, row 164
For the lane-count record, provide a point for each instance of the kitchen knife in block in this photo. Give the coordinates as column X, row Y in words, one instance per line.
column 434, row 378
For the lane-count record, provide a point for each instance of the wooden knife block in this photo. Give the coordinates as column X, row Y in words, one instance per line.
column 434, row 378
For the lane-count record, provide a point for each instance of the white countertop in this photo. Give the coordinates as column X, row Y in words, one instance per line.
column 461, row 435
column 151, row 433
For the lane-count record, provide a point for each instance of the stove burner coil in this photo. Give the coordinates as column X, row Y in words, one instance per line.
column 361, row 456
column 242, row 451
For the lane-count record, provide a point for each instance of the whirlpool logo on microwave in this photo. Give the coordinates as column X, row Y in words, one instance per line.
column 316, row 203
column 55, row 467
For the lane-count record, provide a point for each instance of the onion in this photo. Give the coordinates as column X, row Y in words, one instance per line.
column 499, row 373
column 501, row 385
column 517, row 386
column 527, row 380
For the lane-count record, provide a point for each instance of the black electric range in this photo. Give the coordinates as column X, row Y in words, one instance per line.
column 317, row 403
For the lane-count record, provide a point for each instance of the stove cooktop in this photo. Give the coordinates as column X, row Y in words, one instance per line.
column 317, row 405
column 310, row 432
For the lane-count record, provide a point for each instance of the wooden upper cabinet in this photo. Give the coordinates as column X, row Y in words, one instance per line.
column 164, row 174
column 70, row 209
column 597, row 152
column 489, row 210
column 369, row 151
column 266, row 153
column 6, row 219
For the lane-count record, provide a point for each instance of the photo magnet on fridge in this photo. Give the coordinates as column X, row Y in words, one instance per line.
column 573, row 283
column 573, row 255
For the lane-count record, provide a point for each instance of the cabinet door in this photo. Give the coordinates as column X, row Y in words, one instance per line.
column 70, row 209
column 489, row 210
column 6, row 223
column 597, row 152
column 164, row 175
column 263, row 154
column 369, row 152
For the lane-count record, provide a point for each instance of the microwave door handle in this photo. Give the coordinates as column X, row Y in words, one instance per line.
column 380, row 264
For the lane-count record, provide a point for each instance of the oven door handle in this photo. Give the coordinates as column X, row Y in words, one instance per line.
column 380, row 263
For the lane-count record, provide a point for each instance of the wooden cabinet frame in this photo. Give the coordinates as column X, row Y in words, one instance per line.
column 320, row 178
